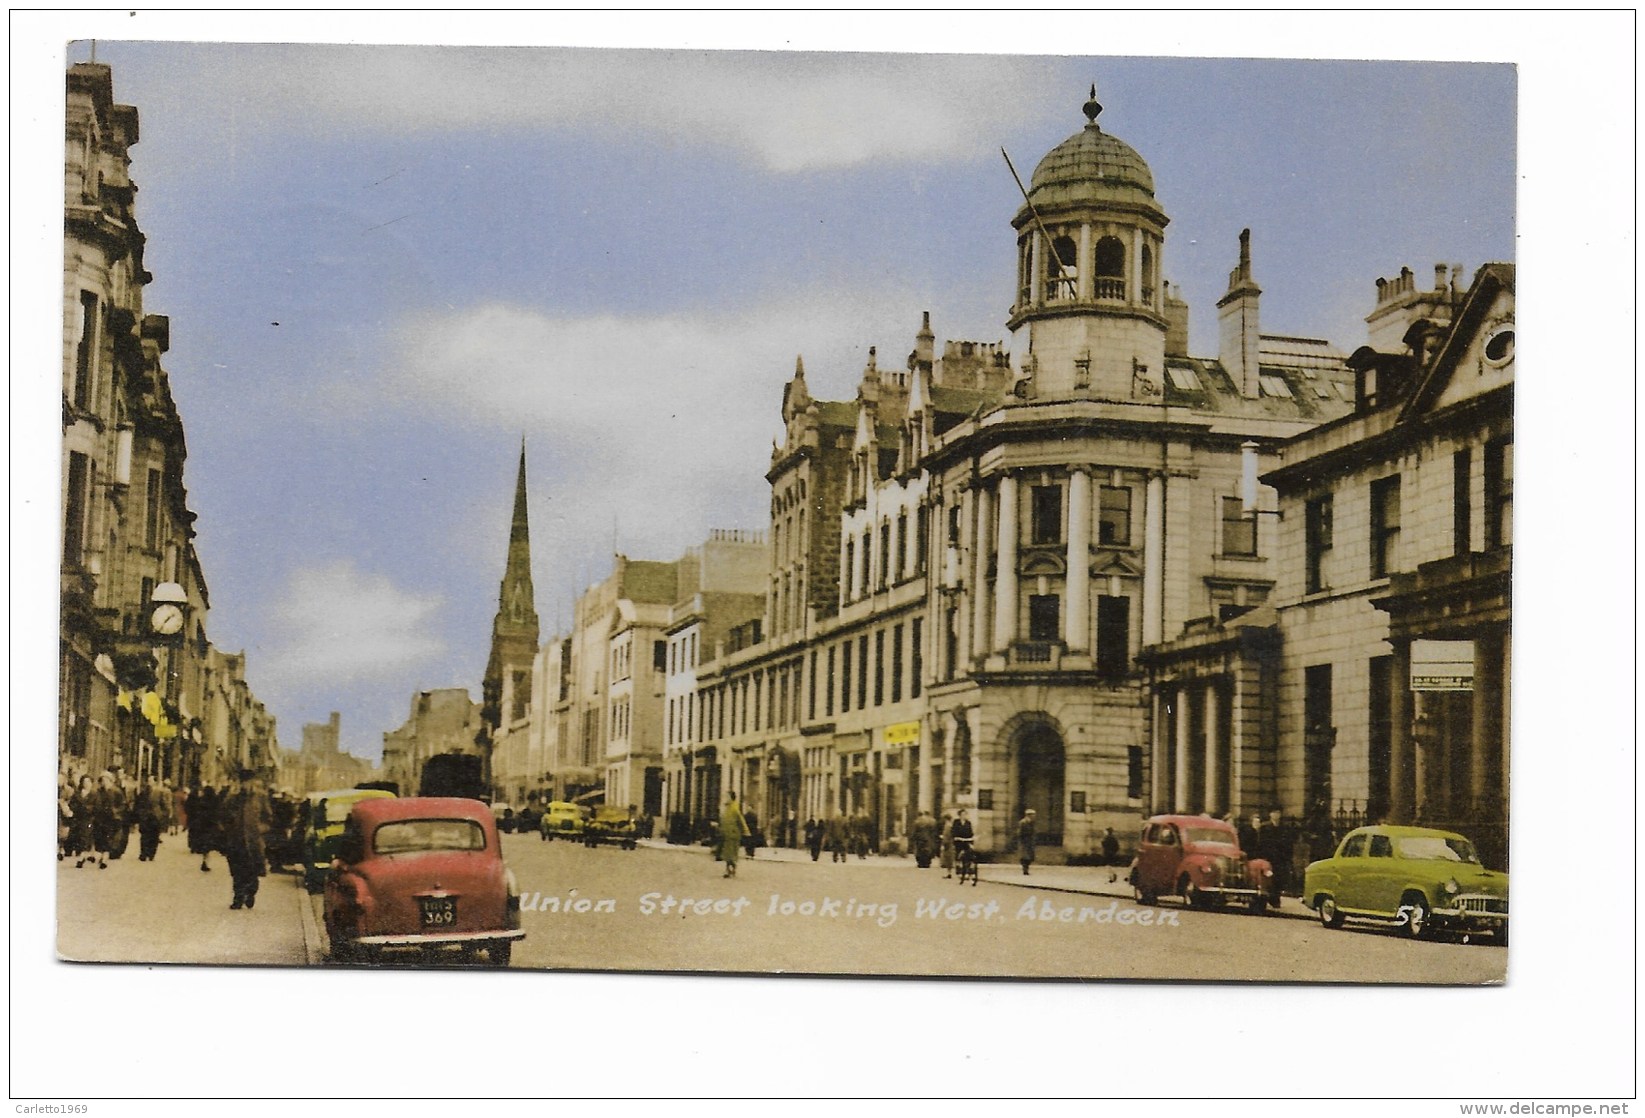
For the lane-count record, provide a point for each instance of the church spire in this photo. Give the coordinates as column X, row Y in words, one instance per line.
column 514, row 631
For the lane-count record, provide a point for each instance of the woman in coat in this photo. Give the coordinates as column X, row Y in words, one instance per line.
column 733, row 829
column 202, row 824
column 79, row 817
column 108, row 819
column 947, row 855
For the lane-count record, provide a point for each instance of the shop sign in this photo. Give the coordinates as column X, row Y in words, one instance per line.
column 902, row 733
column 1442, row 665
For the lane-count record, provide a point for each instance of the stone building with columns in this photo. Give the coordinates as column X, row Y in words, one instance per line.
column 979, row 550
column 1094, row 511
column 1396, row 551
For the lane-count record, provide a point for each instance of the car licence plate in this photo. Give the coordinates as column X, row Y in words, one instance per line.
column 438, row 912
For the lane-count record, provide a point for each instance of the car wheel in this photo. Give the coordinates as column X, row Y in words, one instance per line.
column 1500, row 936
column 1259, row 905
column 1414, row 907
column 1329, row 914
column 499, row 953
column 1191, row 896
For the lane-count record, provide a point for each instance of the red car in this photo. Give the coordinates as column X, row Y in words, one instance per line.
column 423, row 873
column 1198, row 858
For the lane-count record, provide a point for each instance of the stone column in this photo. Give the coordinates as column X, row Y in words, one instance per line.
column 1483, row 718
column 1159, row 756
column 1153, row 562
column 1134, row 295
column 1005, row 574
column 1083, row 262
column 1036, row 267
column 980, row 539
column 1213, row 749
column 1401, row 778
column 1181, row 792
column 1076, row 625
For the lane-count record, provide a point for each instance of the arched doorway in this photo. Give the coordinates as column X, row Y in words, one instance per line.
column 1041, row 764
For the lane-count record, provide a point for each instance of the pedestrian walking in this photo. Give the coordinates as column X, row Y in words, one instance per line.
column 1110, row 847
column 1274, row 843
column 813, row 837
column 1026, row 837
column 179, row 809
column 860, row 827
column 108, row 809
column 751, row 840
column 835, row 833
column 947, row 852
column 924, row 838
column 733, row 829
column 152, row 804
column 244, row 815
column 202, row 825
column 81, row 803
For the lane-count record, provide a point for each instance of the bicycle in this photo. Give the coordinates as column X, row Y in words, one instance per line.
column 965, row 861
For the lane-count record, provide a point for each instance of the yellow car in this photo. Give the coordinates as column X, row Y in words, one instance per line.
column 561, row 820
column 327, row 812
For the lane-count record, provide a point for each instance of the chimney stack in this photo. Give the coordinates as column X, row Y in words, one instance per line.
column 1239, row 325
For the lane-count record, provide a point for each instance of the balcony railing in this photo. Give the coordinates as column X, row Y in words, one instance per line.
column 1036, row 653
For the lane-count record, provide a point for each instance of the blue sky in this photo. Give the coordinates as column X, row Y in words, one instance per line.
column 385, row 265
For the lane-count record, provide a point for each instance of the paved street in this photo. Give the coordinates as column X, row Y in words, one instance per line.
column 664, row 908
column 873, row 917
column 167, row 911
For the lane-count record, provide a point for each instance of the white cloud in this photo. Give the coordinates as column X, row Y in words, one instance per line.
column 339, row 624
column 785, row 111
column 652, row 428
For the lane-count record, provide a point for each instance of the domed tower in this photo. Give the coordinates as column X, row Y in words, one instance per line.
column 1089, row 315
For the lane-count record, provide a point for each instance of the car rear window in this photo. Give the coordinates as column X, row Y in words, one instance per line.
column 413, row 836
column 1211, row 834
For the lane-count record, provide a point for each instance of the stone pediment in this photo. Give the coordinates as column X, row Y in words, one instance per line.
column 1121, row 563
column 1037, row 561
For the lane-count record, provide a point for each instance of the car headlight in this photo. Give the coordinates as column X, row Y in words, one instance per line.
column 1452, row 886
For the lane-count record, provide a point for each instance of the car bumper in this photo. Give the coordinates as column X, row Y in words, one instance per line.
column 441, row 939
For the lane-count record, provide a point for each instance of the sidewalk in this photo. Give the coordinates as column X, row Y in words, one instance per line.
column 167, row 911
column 1089, row 880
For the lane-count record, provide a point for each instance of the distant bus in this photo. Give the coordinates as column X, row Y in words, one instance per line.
column 454, row 774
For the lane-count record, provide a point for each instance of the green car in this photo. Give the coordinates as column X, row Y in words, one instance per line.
column 1415, row 878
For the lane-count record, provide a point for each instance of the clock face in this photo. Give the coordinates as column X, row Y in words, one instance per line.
column 167, row 619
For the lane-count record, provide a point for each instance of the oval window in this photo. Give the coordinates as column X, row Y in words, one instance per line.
column 1499, row 348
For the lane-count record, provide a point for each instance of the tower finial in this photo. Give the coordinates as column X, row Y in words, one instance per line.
column 1093, row 108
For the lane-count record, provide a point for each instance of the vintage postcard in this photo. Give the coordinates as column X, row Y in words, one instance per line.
column 775, row 512
column 571, row 553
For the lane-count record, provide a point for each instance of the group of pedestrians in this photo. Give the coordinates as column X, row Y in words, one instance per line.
column 96, row 814
column 1285, row 846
